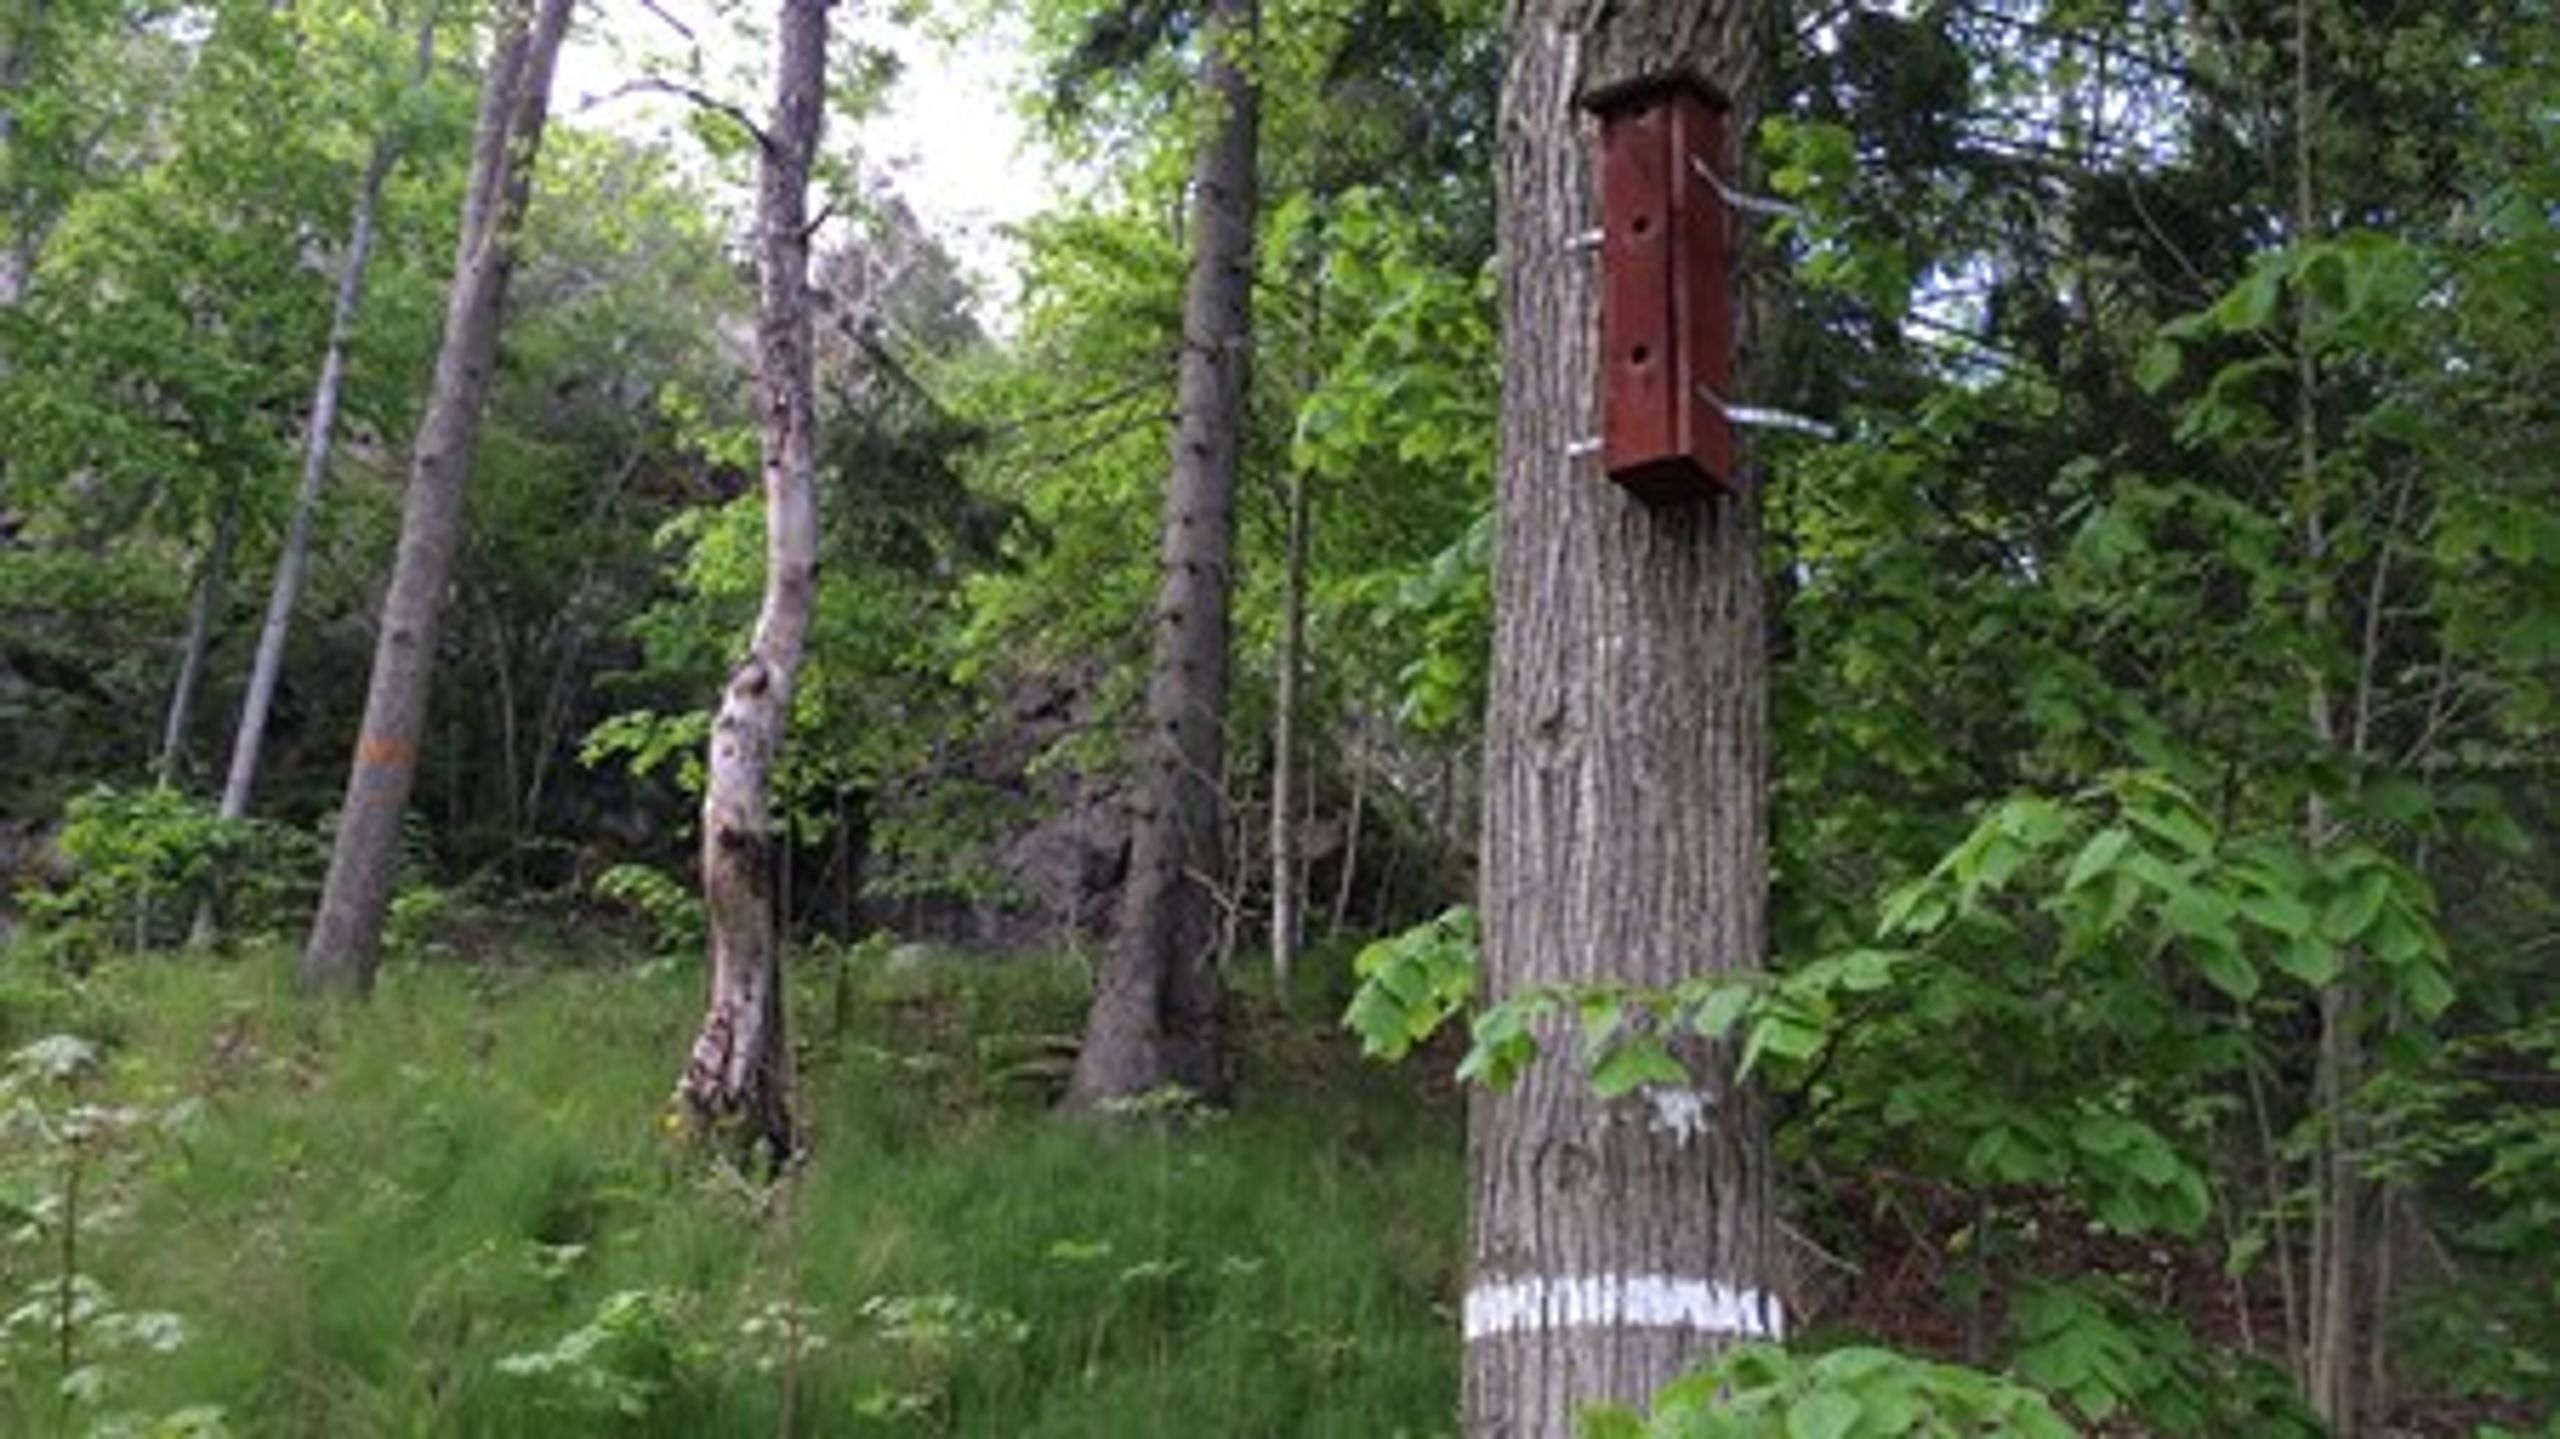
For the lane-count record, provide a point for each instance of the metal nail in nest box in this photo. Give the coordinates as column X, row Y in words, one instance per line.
column 1666, row 293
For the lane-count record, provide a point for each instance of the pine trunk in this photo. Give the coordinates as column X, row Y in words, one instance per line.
column 346, row 936
column 1154, row 1021
column 735, row 1087
column 1615, row 1243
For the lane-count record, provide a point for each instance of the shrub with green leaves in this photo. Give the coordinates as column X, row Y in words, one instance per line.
column 1761, row 1391
column 141, row 860
column 673, row 911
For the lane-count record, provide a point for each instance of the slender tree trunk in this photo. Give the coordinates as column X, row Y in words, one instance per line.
column 29, row 224
column 502, row 698
column 1154, row 1020
column 2337, row 1261
column 1358, row 755
column 735, row 1087
column 248, row 742
column 1288, row 858
column 1615, row 1243
column 17, row 254
column 346, row 937
column 1287, row 899
column 199, row 642
column 566, row 640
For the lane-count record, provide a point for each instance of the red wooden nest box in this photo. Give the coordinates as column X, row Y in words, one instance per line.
column 1666, row 294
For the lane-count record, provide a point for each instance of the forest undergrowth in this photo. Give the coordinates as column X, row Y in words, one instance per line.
column 455, row 1211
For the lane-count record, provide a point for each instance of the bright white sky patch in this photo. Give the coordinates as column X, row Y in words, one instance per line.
column 949, row 141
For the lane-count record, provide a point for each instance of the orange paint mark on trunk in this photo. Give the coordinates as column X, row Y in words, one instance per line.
column 384, row 750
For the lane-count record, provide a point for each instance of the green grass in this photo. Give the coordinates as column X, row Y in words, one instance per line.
column 375, row 1207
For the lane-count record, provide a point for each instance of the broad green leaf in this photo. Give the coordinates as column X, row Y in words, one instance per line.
column 2282, row 914
column 1720, row 1010
column 2158, row 367
column 2226, row 970
column 2197, row 913
column 2175, row 824
column 1601, row 1015
column 1917, row 908
column 1823, row 1414
column 2250, row 304
column 2351, row 911
column 2310, row 959
column 1788, row 1036
column 2428, row 987
column 1639, row 1060
column 1865, row 971
column 2097, row 856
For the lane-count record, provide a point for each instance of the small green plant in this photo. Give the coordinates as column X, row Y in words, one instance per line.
column 63, row 1177
column 783, row 1334
column 1761, row 1391
column 930, row 1336
column 1412, row 983
column 2106, row 1357
column 673, row 910
column 630, row 1350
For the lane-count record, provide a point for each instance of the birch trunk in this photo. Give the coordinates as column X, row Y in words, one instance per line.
column 346, row 936
column 1154, row 1020
column 735, row 1086
column 248, row 742
column 1615, row 1243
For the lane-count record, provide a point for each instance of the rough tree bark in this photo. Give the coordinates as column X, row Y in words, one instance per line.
column 346, row 937
column 320, row 427
column 735, row 1086
column 1154, row 1020
column 1624, row 834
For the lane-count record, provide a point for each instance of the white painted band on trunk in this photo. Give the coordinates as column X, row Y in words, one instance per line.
column 1621, row 1301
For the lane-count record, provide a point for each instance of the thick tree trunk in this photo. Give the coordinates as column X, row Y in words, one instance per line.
column 1154, row 1020
column 736, row 1081
column 346, row 937
column 210, row 569
column 1624, row 832
column 320, row 428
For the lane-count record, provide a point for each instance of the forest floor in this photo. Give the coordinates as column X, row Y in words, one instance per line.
column 454, row 1210
column 457, row 1210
